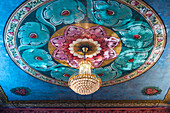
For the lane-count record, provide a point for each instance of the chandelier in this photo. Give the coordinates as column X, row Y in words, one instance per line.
column 85, row 82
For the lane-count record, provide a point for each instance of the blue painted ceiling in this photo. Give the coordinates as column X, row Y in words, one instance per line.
column 11, row 76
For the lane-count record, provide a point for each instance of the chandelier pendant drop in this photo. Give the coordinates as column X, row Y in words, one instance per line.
column 85, row 82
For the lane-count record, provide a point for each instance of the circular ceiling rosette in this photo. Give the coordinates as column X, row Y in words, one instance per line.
column 125, row 38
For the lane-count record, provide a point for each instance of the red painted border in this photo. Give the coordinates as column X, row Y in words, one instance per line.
column 86, row 110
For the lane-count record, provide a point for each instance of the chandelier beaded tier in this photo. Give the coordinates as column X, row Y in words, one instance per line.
column 85, row 82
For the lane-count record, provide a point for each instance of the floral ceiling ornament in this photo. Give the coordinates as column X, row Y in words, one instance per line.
column 33, row 35
column 131, row 59
column 106, row 73
column 22, row 91
column 65, row 13
column 108, row 13
column 60, row 73
column 39, row 59
column 137, row 36
column 68, row 47
column 123, row 37
column 151, row 90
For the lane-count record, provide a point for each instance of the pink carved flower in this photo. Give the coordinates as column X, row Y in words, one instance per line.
column 21, row 91
column 149, row 13
column 100, row 46
column 11, row 46
column 38, row 75
column 52, row 81
column 126, row 77
column 149, row 62
column 157, row 51
column 139, row 71
column 159, row 39
column 134, row 2
column 10, row 33
column 157, row 26
column 26, row 9
column 151, row 91
column 16, row 57
column 112, row 82
column 25, row 67
column 15, row 21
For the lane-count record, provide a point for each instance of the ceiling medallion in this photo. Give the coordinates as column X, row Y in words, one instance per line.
column 68, row 47
column 124, row 39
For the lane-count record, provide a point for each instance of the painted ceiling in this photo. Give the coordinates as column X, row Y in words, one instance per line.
column 43, row 40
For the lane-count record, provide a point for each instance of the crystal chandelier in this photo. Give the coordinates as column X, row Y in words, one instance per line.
column 85, row 82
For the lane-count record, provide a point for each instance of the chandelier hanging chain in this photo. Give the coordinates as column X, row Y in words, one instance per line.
column 84, row 50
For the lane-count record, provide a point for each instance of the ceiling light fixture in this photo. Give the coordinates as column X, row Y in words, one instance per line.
column 85, row 82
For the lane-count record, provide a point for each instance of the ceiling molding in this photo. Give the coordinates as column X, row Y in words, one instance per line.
column 86, row 103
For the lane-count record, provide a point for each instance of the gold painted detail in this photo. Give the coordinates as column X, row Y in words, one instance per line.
column 167, row 97
column 109, row 32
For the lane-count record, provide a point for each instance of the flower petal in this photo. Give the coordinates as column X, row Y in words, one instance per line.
column 107, row 73
column 59, row 73
column 109, row 54
column 73, row 63
column 112, row 42
column 97, row 30
column 59, row 55
column 97, row 61
column 73, row 30
column 43, row 62
column 54, row 12
column 57, row 41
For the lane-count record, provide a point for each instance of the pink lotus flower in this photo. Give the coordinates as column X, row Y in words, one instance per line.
column 16, row 57
column 112, row 82
column 126, row 77
column 134, row 2
column 11, row 46
column 25, row 67
column 15, row 21
column 21, row 91
column 159, row 39
column 157, row 51
column 74, row 38
column 149, row 13
column 157, row 26
column 151, row 91
column 26, row 9
column 52, row 81
column 139, row 71
column 149, row 62
column 10, row 33
column 37, row 74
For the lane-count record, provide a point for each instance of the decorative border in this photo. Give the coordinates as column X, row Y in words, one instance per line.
column 85, row 103
column 86, row 110
column 20, row 13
